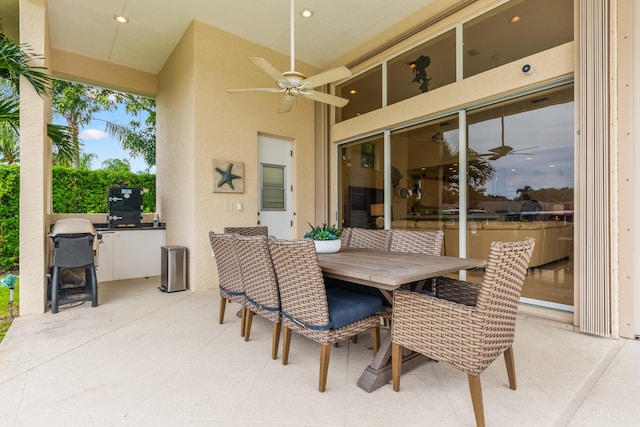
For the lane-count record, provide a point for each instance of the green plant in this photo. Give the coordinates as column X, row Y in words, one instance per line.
column 8, row 308
column 323, row 232
column 74, row 191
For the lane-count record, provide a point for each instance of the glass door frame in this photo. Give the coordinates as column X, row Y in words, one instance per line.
column 463, row 148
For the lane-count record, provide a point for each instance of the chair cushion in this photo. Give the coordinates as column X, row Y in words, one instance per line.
column 347, row 307
column 361, row 289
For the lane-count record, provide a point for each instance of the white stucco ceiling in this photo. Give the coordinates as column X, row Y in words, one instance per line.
column 87, row 27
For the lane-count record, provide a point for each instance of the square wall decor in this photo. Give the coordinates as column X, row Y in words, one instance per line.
column 228, row 176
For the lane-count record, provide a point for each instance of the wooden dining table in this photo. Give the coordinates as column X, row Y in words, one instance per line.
column 388, row 271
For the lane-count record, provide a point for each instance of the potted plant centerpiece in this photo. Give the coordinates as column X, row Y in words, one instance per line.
column 325, row 237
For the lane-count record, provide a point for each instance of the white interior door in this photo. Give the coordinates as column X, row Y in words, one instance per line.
column 276, row 187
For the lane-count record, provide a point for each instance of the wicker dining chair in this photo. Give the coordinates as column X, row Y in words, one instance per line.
column 465, row 324
column 248, row 231
column 346, row 236
column 325, row 316
column 229, row 274
column 365, row 238
column 417, row 242
column 260, row 285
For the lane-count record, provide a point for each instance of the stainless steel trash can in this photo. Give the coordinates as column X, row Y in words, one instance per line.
column 173, row 273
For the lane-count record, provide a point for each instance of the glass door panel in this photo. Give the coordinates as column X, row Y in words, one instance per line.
column 361, row 185
column 424, row 175
column 526, row 148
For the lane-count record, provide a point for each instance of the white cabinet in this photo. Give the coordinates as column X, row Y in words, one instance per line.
column 129, row 254
column 105, row 257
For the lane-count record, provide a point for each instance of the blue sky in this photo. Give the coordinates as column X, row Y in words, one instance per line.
column 95, row 140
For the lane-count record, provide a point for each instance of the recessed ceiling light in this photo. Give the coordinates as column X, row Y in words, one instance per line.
column 353, row 91
column 514, row 19
column 306, row 13
column 121, row 19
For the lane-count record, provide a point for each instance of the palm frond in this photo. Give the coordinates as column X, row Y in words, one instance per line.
column 117, row 131
column 62, row 140
column 10, row 112
column 16, row 60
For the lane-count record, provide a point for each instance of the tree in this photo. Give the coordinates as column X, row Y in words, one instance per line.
column 9, row 147
column 117, row 165
column 86, row 160
column 78, row 103
column 527, row 190
column 15, row 62
column 139, row 139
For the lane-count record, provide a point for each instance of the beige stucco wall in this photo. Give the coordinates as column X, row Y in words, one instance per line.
column 71, row 66
column 198, row 122
column 35, row 167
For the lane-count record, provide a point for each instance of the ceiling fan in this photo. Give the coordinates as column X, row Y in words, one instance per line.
column 293, row 83
column 503, row 150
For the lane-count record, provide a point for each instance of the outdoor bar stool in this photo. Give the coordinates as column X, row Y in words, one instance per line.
column 74, row 241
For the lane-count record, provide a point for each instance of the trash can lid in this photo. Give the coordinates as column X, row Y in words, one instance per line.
column 72, row 226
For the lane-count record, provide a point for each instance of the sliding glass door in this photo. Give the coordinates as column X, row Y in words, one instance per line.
column 361, row 185
column 519, row 182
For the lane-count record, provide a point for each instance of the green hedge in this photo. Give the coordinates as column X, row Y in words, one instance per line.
column 85, row 191
column 74, row 191
column 9, row 209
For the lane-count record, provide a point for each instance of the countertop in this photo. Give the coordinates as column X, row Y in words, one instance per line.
column 101, row 227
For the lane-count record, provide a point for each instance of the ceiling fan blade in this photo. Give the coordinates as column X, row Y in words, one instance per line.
column 325, row 97
column 524, row 149
column 265, row 66
column 258, row 89
column 329, row 76
column 287, row 104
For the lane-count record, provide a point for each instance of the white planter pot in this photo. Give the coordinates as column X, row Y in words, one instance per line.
column 327, row 246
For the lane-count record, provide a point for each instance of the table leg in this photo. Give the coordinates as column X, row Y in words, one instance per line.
column 378, row 373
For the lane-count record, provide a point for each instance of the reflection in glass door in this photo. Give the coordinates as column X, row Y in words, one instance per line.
column 424, row 175
column 520, row 182
column 528, row 145
column 361, row 193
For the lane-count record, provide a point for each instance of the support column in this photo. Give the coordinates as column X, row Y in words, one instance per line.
column 35, row 167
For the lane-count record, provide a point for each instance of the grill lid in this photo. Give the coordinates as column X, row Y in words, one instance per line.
column 72, row 226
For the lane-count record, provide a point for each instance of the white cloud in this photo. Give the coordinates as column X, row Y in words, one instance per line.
column 92, row 134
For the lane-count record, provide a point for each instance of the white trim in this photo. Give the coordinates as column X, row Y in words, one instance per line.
column 546, row 304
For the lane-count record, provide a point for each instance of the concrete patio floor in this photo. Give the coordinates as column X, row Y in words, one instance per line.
column 145, row 358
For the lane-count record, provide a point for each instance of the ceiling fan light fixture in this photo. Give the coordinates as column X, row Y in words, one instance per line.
column 121, row 19
column 306, row 13
column 293, row 83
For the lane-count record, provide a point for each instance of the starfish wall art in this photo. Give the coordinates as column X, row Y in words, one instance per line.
column 228, row 176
